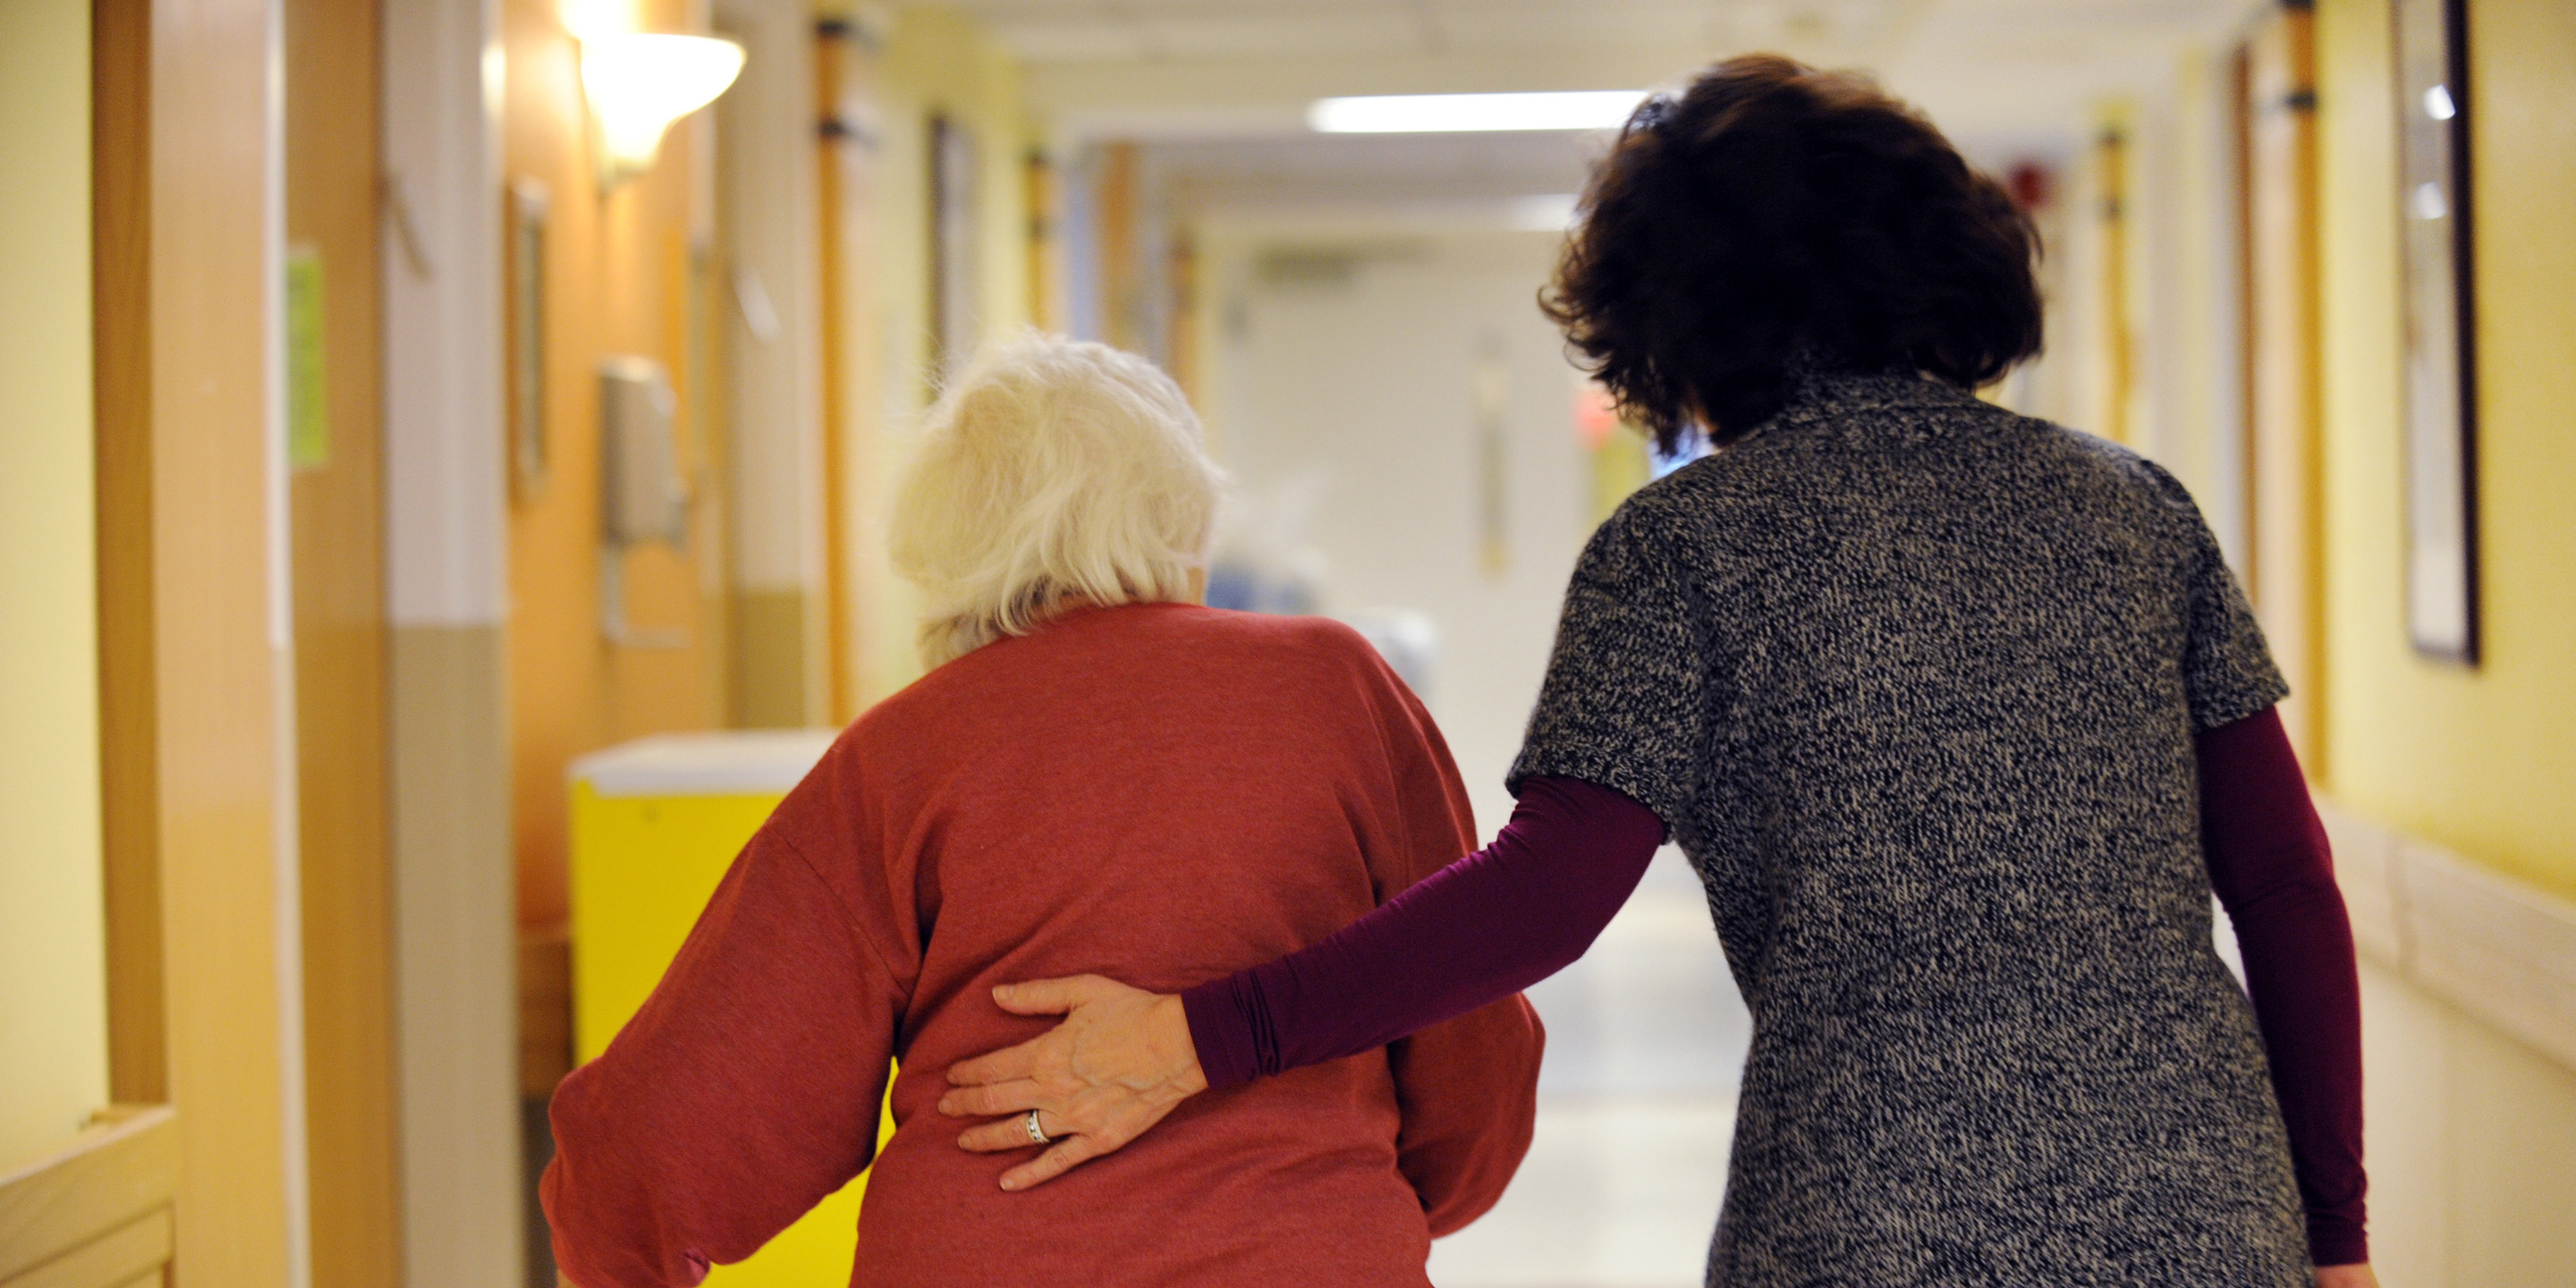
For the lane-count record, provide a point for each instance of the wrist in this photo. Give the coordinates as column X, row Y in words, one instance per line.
column 1222, row 1047
column 1174, row 1047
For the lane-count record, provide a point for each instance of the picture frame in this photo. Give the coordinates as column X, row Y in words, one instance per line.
column 530, row 207
column 2438, row 367
column 954, row 326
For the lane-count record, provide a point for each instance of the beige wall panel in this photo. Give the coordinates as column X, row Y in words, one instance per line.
column 772, row 686
column 457, row 1026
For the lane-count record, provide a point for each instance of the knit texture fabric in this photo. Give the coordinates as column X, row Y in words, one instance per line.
column 1913, row 681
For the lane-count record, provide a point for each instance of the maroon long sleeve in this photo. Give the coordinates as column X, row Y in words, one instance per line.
column 2269, row 862
column 1476, row 931
column 1526, row 906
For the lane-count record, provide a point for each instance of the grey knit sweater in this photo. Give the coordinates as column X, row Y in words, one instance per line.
column 1913, row 681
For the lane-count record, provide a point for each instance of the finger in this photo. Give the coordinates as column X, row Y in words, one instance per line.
column 996, row 1137
column 1005, row 1065
column 1017, row 1096
column 1044, row 996
column 1009, row 1134
column 1062, row 1157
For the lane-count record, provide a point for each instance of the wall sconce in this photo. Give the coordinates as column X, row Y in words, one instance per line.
column 638, row 83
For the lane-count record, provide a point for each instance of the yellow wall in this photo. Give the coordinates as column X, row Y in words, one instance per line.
column 933, row 61
column 2481, row 761
column 53, row 1001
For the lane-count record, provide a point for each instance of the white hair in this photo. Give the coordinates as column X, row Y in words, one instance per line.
column 1051, row 470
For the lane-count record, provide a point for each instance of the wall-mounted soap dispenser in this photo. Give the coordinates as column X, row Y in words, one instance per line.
column 643, row 499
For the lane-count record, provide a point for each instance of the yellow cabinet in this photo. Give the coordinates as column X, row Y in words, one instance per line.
column 655, row 823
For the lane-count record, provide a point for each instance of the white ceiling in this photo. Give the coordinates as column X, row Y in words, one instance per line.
column 1072, row 30
column 1218, row 88
column 2007, row 69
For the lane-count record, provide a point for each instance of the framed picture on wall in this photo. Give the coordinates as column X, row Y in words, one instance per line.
column 2439, row 369
column 526, row 323
column 952, row 246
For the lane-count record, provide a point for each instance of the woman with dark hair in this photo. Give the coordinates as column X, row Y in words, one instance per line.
column 1959, row 716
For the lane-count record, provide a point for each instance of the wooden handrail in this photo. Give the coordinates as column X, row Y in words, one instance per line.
column 2492, row 944
column 96, row 1212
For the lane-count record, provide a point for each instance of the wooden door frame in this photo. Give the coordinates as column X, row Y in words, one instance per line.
column 2284, row 373
column 203, row 985
column 129, row 784
column 336, row 548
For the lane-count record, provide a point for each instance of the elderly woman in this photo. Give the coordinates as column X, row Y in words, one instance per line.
column 1959, row 716
column 1097, row 775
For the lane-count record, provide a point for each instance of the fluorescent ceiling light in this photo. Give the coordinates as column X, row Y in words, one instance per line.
column 1443, row 113
column 1550, row 213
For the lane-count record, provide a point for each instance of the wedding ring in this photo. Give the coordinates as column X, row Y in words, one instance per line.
column 1037, row 1134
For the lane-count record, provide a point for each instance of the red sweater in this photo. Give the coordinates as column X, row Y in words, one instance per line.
column 1161, row 794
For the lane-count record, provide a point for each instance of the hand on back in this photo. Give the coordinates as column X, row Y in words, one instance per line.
column 1121, row 1060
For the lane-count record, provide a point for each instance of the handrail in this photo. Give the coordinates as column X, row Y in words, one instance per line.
column 2493, row 945
column 94, row 1213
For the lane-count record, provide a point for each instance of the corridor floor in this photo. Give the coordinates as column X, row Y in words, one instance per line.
column 1645, row 1044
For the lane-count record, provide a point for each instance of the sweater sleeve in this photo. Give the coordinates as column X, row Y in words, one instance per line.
column 1466, row 1089
column 2273, row 871
column 1480, row 929
column 743, row 1092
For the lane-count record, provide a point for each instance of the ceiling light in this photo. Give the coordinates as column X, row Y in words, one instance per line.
column 598, row 19
column 1442, row 113
column 639, row 83
column 1549, row 213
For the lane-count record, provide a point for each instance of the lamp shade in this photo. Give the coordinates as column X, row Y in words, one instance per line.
column 638, row 83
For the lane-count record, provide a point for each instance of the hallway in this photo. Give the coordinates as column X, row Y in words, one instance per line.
column 449, row 450
column 1646, row 1041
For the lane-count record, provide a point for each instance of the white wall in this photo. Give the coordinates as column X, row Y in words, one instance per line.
column 53, row 971
column 772, row 257
column 2467, row 1133
column 1366, row 387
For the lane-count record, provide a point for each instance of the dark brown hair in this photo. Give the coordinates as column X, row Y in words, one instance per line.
column 1774, row 210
